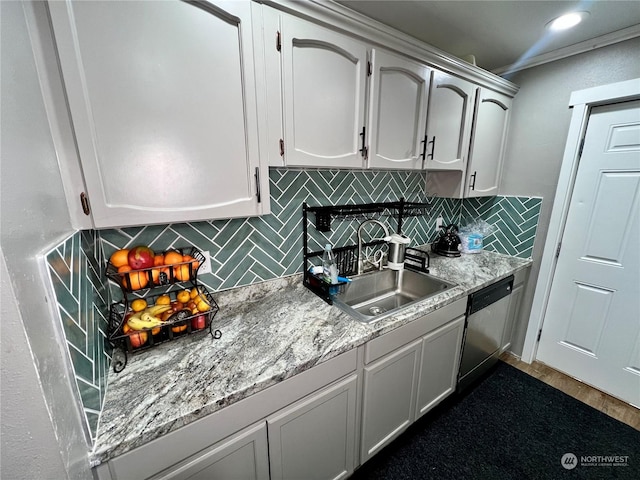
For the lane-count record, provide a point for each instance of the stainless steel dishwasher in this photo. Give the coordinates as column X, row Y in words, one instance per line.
column 487, row 311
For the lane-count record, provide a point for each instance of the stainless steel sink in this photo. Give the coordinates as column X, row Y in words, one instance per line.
column 376, row 295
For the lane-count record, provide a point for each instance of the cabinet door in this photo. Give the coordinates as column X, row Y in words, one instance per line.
column 162, row 99
column 243, row 457
column 439, row 365
column 315, row 439
column 449, row 122
column 389, row 398
column 324, row 80
column 512, row 316
column 487, row 143
column 398, row 110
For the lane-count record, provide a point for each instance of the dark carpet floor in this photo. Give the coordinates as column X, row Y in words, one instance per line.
column 512, row 427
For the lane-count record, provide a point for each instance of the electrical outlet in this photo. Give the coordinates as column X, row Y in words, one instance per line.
column 439, row 223
column 206, row 265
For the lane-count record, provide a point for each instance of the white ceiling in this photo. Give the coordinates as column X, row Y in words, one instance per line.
column 500, row 33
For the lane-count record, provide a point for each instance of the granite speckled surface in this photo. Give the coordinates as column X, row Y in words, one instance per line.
column 270, row 332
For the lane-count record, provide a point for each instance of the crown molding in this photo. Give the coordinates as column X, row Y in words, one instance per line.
column 575, row 49
column 344, row 20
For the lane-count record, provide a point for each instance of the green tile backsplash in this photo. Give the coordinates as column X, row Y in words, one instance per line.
column 515, row 220
column 249, row 250
column 77, row 274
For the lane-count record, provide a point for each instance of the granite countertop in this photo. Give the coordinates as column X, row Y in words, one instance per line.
column 270, row 332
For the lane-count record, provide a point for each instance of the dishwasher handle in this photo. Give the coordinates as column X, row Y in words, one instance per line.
column 488, row 295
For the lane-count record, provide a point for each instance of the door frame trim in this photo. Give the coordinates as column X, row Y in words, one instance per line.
column 581, row 101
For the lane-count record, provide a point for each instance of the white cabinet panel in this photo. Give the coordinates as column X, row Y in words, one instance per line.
column 487, row 143
column 449, row 122
column 324, row 83
column 162, row 99
column 398, row 109
column 439, row 365
column 242, row 457
column 388, row 398
column 315, row 439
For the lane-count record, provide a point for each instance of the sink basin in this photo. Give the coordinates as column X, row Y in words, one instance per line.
column 376, row 295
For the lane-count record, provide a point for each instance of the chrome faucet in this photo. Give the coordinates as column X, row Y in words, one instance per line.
column 386, row 236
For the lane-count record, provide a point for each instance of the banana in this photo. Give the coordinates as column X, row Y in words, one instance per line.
column 143, row 322
column 156, row 310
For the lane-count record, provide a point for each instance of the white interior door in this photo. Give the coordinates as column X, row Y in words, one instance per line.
column 591, row 328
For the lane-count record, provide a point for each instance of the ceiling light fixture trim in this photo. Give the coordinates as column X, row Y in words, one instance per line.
column 566, row 21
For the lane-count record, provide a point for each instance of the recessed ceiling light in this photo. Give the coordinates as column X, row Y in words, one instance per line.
column 566, row 21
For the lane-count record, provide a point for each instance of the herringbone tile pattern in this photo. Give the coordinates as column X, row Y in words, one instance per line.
column 249, row 250
column 79, row 283
column 515, row 220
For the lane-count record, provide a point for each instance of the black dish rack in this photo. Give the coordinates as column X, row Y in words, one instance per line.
column 164, row 281
column 347, row 256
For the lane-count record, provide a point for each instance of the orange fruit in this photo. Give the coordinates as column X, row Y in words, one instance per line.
column 187, row 258
column 163, row 300
column 181, row 272
column 172, row 257
column 158, row 260
column 138, row 304
column 135, row 280
column 179, row 328
column 119, row 258
column 156, row 330
column 124, row 268
column 183, row 296
column 194, row 293
column 126, row 328
column 155, row 276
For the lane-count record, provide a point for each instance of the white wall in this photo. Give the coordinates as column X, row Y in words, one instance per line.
column 42, row 430
column 538, row 133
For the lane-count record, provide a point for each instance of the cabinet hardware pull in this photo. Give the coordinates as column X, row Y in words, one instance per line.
column 473, row 183
column 257, row 175
column 369, row 69
column 433, row 147
column 278, row 42
column 423, row 155
column 364, row 150
column 84, row 201
column 281, row 147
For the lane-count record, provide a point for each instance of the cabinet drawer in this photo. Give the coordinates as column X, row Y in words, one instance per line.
column 401, row 336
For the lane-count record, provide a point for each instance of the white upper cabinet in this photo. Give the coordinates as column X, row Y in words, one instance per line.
column 162, row 100
column 324, row 77
column 487, row 143
column 449, row 122
column 397, row 112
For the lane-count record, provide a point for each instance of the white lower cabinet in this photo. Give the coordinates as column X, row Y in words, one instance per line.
column 243, row 456
column 389, row 398
column 315, row 438
column 407, row 372
column 439, row 363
